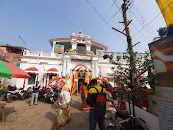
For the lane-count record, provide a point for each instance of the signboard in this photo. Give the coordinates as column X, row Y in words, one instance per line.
column 81, row 57
column 59, row 49
column 99, row 53
column 162, row 55
column 106, row 72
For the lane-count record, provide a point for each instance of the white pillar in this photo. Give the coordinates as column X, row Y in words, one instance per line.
column 72, row 46
column 53, row 48
column 96, row 69
column 68, row 67
column 64, row 67
column 88, row 47
column 93, row 68
column 75, row 45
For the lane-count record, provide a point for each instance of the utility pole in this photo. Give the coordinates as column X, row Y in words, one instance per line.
column 23, row 41
column 131, row 53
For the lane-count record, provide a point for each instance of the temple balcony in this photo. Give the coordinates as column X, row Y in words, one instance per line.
column 41, row 54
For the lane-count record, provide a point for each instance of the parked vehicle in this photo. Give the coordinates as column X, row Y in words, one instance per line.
column 5, row 95
column 11, row 88
column 42, row 91
column 56, row 93
column 29, row 92
column 51, row 94
column 14, row 95
column 25, row 93
column 126, row 122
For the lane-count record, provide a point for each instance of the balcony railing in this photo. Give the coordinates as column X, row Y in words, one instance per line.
column 41, row 54
column 80, row 35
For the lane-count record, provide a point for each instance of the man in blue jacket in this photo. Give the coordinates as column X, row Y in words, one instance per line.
column 35, row 93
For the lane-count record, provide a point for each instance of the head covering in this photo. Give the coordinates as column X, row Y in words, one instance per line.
column 64, row 99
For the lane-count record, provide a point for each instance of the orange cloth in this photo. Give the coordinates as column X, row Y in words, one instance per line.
column 1, row 85
column 84, row 91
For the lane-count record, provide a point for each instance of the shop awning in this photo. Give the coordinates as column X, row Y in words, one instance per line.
column 52, row 70
column 32, row 69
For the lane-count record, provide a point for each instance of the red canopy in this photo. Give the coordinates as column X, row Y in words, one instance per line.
column 31, row 69
column 53, row 69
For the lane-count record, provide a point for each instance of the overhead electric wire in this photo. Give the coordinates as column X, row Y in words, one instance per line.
column 65, row 18
column 139, row 17
column 132, row 23
column 109, row 10
column 9, row 39
column 153, row 19
column 96, row 11
column 156, row 23
column 140, row 32
column 104, row 17
column 62, row 16
column 108, row 21
column 104, row 20
column 138, row 20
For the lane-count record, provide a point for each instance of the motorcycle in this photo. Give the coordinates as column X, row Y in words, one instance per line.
column 56, row 93
column 42, row 91
column 51, row 94
column 11, row 88
column 5, row 95
column 16, row 94
column 25, row 93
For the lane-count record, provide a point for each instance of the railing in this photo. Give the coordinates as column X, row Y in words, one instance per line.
column 121, row 57
column 80, row 35
column 41, row 54
column 101, row 59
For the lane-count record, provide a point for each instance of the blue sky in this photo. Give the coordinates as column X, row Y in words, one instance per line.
column 37, row 21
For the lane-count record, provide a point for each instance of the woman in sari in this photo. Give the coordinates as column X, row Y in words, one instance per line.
column 63, row 103
column 84, row 93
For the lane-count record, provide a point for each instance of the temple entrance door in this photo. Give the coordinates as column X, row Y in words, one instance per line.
column 80, row 80
column 79, row 75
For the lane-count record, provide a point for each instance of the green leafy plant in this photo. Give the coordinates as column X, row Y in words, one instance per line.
column 142, row 76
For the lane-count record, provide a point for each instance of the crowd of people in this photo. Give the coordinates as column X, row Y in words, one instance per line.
column 93, row 96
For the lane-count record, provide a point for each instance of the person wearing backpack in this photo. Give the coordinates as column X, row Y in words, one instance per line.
column 97, row 100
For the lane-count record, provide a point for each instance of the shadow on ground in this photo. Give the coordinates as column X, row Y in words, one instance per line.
column 7, row 111
column 77, row 105
column 52, row 117
column 28, row 102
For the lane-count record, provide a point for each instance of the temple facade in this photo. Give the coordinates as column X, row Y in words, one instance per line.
column 78, row 58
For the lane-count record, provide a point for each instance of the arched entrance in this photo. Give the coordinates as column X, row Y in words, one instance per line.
column 81, row 73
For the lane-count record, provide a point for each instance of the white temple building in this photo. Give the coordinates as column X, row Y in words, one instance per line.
column 77, row 58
